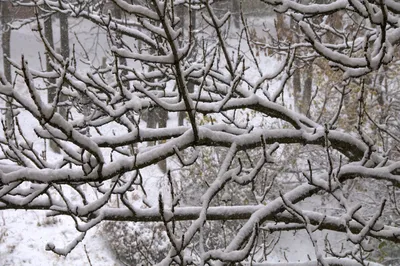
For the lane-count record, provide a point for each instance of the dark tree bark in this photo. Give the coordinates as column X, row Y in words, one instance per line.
column 6, row 38
column 48, row 34
column 236, row 13
column 307, row 89
column 65, row 53
column 51, row 91
column 6, row 42
column 190, row 85
column 296, row 79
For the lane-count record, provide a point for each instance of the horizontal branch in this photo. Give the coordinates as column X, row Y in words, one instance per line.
column 329, row 261
column 223, row 213
column 348, row 145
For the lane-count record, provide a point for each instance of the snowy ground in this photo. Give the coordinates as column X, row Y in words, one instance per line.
column 24, row 234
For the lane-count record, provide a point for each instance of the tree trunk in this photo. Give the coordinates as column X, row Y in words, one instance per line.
column 51, row 91
column 190, row 85
column 65, row 53
column 6, row 38
column 122, row 60
column 307, row 90
column 162, row 117
column 236, row 13
column 48, row 34
column 6, row 42
column 297, row 89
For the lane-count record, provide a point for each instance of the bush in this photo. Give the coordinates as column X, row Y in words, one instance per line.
column 137, row 243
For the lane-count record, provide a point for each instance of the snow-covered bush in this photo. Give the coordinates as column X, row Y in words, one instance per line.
column 137, row 243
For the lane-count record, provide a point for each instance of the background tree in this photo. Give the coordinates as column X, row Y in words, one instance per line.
column 6, row 36
column 5, row 44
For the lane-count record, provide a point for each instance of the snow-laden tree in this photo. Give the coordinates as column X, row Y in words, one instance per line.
column 238, row 111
